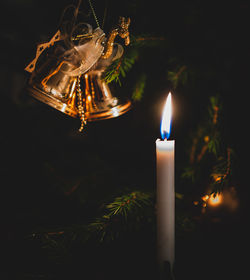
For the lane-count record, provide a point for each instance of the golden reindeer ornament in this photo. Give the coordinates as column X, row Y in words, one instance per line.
column 122, row 30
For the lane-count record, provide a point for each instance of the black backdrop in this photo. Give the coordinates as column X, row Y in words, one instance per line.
column 211, row 37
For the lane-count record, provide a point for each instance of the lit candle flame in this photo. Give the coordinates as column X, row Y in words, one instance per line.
column 166, row 119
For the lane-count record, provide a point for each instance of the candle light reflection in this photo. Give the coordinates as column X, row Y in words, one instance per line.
column 166, row 119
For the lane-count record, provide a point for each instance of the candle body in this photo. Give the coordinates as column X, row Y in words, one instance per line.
column 165, row 203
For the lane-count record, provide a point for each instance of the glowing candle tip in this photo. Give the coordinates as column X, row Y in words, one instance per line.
column 166, row 119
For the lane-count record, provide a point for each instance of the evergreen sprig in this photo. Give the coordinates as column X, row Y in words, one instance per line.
column 206, row 155
column 123, row 205
column 221, row 171
column 139, row 87
column 121, row 214
column 178, row 76
column 120, row 67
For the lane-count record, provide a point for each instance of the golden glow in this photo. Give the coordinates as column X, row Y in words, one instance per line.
column 166, row 118
column 64, row 106
column 215, row 200
column 205, row 197
column 106, row 90
column 206, row 139
column 115, row 112
column 72, row 88
column 217, row 177
column 211, row 200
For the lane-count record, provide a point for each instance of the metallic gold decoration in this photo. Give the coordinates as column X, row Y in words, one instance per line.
column 62, row 99
column 122, row 30
column 81, row 112
column 68, row 76
column 87, row 96
column 100, row 102
column 50, row 84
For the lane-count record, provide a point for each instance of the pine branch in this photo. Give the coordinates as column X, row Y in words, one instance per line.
column 139, row 88
column 207, row 137
column 189, row 172
column 124, row 212
column 178, row 77
column 130, row 207
column 129, row 202
column 221, row 171
column 206, row 156
column 120, row 67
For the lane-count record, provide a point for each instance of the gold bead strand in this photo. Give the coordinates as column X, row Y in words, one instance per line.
column 81, row 112
column 93, row 92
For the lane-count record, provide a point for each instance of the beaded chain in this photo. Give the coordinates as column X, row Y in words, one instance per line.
column 93, row 93
column 81, row 112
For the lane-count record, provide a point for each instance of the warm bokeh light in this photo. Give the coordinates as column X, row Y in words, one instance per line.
column 215, row 200
column 166, row 119
column 212, row 200
column 205, row 197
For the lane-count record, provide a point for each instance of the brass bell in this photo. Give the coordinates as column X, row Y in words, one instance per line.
column 100, row 104
column 58, row 92
column 54, row 76
column 68, row 76
column 87, row 96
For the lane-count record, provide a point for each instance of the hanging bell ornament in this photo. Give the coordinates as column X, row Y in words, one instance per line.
column 54, row 75
column 68, row 77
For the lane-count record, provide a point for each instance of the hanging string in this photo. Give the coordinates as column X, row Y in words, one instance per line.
column 105, row 13
column 93, row 12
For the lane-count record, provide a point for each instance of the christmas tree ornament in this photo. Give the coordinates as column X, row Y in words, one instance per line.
column 67, row 72
column 122, row 30
column 100, row 102
column 54, row 79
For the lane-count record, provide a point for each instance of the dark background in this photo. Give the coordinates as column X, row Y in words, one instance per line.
column 210, row 37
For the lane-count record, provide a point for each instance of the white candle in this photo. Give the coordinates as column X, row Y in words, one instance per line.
column 165, row 199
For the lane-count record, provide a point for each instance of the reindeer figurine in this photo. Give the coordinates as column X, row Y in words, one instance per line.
column 122, row 30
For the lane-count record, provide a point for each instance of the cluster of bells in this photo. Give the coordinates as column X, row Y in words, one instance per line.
column 68, row 77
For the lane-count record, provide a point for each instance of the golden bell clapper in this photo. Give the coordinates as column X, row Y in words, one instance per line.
column 68, row 77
